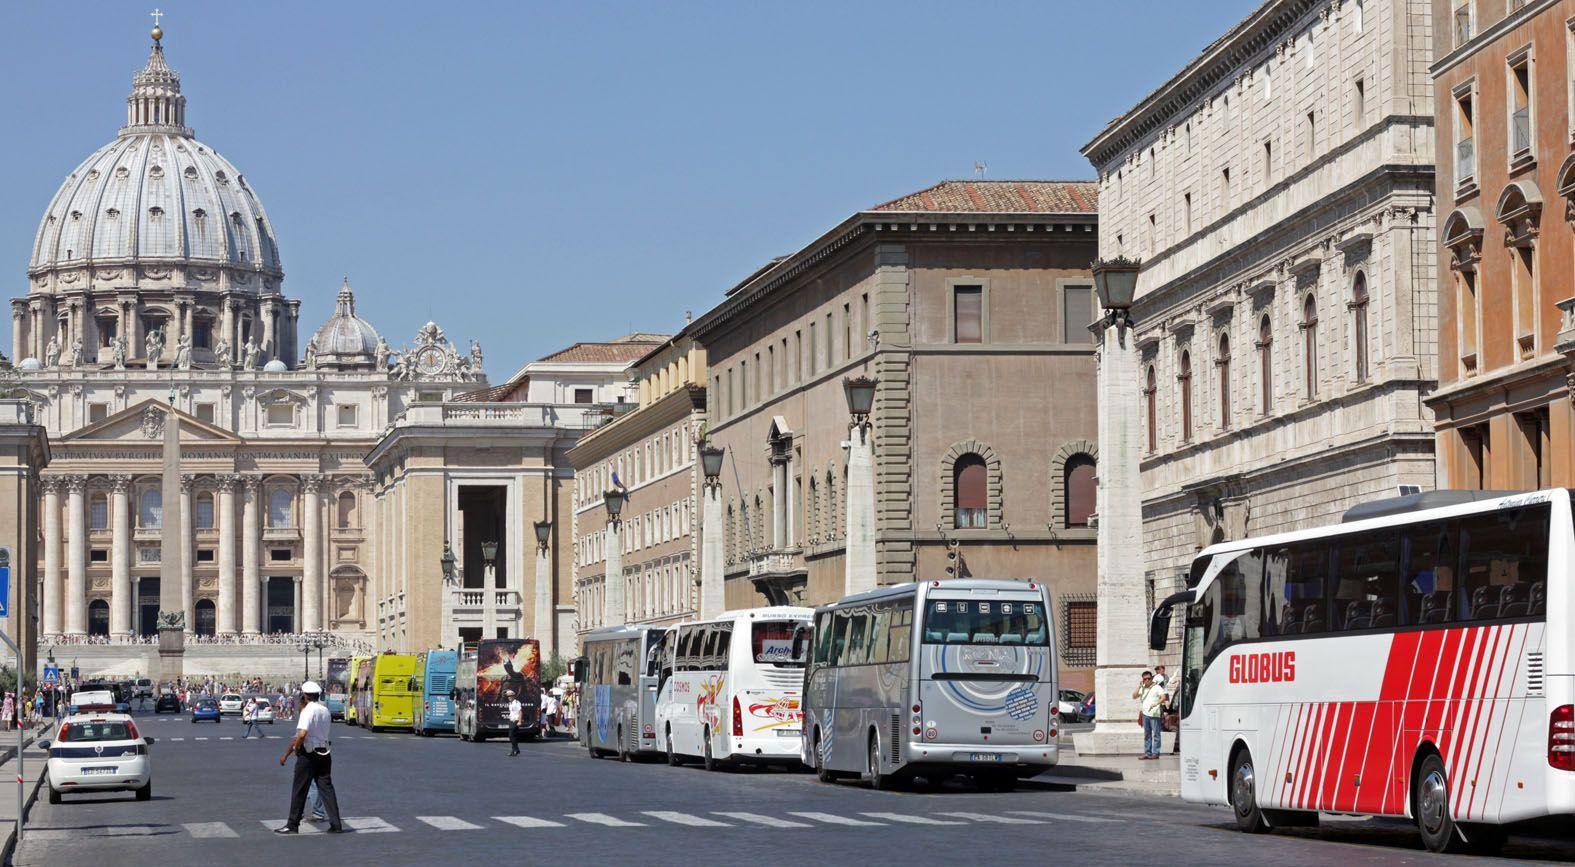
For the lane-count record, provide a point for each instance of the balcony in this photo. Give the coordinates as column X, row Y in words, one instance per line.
column 499, row 415
column 470, row 602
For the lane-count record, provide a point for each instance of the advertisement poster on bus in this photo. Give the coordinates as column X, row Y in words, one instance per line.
column 337, row 680
column 503, row 664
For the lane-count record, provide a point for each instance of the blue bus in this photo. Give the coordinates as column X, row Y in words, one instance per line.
column 435, row 679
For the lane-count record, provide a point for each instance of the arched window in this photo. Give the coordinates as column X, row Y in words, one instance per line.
column 1078, row 486
column 971, row 491
column 206, row 617
column 98, row 617
column 204, row 509
column 1359, row 326
column 1223, row 362
column 1151, row 398
column 279, row 507
column 1310, row 345
column 1184, row 385
column 1265, row 365
column 150, row 509
column 346, row 510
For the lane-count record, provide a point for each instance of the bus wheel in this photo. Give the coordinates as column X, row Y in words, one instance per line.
column 879, row 781
column 822, row 773
column 623, row 746
column 1431, row 789
column 672, row 757
column 1244, row 794
column 710, row 760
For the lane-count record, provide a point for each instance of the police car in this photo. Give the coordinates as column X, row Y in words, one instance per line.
column 98, row 752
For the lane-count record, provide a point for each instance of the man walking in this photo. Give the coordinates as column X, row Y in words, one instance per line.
column 313, row 762
column 1150, row 697
column 516, row 716
column 249, row 716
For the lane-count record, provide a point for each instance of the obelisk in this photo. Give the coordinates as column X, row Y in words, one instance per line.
column 172, row 614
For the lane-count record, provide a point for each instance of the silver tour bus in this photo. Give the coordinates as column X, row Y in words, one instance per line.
column 617, row 676
column 933, row 679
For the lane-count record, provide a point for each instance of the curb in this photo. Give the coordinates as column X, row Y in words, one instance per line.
column 9, row 848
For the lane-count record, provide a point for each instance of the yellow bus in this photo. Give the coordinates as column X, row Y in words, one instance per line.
column 385, row 698
column 360, row 666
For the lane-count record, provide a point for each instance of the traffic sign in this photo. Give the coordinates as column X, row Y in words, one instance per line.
column 5, row 582
column 51, row 673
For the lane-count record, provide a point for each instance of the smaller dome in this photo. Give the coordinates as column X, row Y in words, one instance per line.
column 275, row 365
column 30, row 363
column 345, row 340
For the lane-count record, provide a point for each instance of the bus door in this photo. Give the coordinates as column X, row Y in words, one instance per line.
column 986, row 675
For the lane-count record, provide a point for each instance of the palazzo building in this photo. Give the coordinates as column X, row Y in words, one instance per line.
column 156, row 278
column 1278, row 191
column 1503, row 83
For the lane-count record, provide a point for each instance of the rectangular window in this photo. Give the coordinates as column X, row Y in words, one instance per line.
column 814, row 351
column 584, row 395
column 205, row 412
column 98, row 513
column 1268, row 162
column 280, row 414
column 1077, row 312
column 1312, row 136
column 1080, row 628
column 847, row 331
column 279, row 555
column 831, row 342
column 97, row 412
column 347, row 415
column 1359, row 103
column 1463, row 23
column 1475, row 453
column 1521, row 134
column 1186, row 213
column 1504, row 563
column 1533, row 468
column 1151, row 243
column 204, row 555
column 204, row 510
column 968, row 314
column 1465, row 141
column 1225, row 189
column 98, row 555
column 798, row 356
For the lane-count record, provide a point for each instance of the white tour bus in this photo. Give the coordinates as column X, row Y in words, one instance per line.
column 729, row 688
column 1412, row 661
column 933, row 679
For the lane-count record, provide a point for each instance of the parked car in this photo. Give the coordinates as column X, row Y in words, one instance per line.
column 92, row 701
column 206, row 709
column 168, row 702
column 96, row 753
column 144, row 687
column 262, row 711
column 231, row 703
column 1070, row 705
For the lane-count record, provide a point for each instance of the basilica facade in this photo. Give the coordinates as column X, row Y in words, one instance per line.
column 156, row 278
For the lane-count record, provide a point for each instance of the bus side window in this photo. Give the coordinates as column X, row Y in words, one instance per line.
column 724, row 645
column 1504, row 558
column 708, row 658
column 901, row 632
column 1428, row 584
column 839, row 637
column 858, row 641
column 880, row 633
column 1365, row 581
column 822, row 637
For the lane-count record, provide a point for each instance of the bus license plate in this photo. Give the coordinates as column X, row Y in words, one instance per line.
column 92, row 771
column 986, row 757
column 787, row 733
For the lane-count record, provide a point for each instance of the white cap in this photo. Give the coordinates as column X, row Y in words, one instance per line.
column 311, row 688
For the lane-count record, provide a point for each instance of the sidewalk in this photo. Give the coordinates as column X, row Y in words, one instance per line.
column 33, row 760
column 1161, row 777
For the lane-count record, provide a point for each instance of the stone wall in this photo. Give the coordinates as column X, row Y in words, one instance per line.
column 271, row 662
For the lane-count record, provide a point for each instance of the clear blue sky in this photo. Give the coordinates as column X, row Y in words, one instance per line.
column 531, row 174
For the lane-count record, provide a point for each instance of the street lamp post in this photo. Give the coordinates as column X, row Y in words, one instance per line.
column 616, row 612
column 713, row 594
column 543, row 626
column 1120, row 653
column 489, row 590
column 309, row 642
column 446, row 602
column 860, row 557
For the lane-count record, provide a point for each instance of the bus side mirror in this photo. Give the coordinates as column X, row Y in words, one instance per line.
column 800, row 635
column 1159, row 623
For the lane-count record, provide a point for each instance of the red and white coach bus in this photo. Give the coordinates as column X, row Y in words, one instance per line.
column 1414, row 660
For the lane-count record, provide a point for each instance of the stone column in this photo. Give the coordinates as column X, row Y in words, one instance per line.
column 18, row 311
column 295, row 620
column 54, row 621
column 188, row 599
column 1121, row 643
column 545, row 631
column 120, row 601
column 227, row 325
column 311, row 614
column 76, row 555
column 224, row 520
column 251, row 555
column 614, row 613
column 713, row 594
column 860, row 541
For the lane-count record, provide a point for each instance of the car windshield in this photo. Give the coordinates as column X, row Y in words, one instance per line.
column 985, row 621
column 83, row 698
column 263, row 703
column 99, row 730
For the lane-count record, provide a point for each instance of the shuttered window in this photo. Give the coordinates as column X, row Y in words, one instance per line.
column 972, row 491
column 1079, row 490
column 1077, row 311
column 968, row 314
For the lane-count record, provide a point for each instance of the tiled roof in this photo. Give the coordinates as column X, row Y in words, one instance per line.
column 1001, row 197
column 628, row 348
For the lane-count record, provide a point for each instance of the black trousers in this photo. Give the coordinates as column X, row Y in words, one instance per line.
column 311, row 767
column 514, row 738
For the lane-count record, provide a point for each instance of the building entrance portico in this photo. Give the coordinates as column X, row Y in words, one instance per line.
column 147, row 624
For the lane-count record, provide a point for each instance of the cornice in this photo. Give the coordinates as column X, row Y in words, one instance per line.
column 636, row 426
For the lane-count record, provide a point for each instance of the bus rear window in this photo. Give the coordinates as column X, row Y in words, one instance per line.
column 773, row 642
column 985, row 621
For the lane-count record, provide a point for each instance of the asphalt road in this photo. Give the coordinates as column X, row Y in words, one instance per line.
column 429, row 801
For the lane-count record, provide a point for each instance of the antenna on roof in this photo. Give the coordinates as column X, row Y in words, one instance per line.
column 979, row 168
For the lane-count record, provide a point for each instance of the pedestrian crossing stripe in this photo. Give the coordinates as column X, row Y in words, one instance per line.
column 768, row 821
column 911, row 820
column 448, row 823
column 528, row 822
column 833, row 819
column 604, row 819
column 685, row 819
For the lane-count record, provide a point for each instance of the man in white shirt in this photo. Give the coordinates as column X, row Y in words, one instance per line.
column 516, row 717
column 313, row 761
column 249, row 716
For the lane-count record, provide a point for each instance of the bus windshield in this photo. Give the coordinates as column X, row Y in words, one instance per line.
column 772, row 641
column 985, row 621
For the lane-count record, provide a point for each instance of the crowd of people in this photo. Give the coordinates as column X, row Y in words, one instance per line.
column 354, row 645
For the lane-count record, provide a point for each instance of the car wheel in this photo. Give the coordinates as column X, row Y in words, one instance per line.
column 672, row 757
column 1244, row 794
column 878, row 780
column 146, row 792
column 710, row 760
column 54, row 795
column 1431, row 807
column 821, row 772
